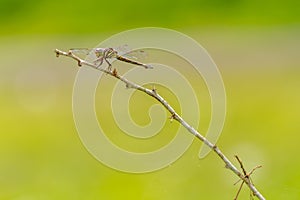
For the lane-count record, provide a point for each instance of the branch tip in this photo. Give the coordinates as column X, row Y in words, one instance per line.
column 56, row 52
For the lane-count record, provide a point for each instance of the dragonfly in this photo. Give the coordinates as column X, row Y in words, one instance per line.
column 105, row 54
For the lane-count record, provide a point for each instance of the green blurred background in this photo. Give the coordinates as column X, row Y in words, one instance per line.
column 255, row 45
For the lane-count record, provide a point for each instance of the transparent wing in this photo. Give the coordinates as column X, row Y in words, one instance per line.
column 122, row 49
column 87, row 54
column 122, row 53
column 81, row 51
column 136, row 54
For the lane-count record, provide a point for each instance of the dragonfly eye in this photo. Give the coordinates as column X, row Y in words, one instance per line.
column 97, row 54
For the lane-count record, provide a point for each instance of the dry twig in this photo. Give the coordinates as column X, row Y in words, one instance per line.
column 246, row 176
column 153, row 93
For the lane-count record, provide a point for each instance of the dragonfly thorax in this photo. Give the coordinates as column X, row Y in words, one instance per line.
column 105, row 52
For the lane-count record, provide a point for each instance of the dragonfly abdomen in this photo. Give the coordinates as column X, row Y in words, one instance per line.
column 121, row 58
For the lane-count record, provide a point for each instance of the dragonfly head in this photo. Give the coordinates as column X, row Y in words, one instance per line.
column 99, row 52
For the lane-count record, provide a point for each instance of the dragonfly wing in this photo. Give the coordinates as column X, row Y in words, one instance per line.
column 87, row 54
column 122, row 49
column 137, row 54
column 82, row 51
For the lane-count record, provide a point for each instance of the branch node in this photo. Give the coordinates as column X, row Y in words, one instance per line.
column 128, row 86
column 172, row 117
column 115, row 73
column 154, row 90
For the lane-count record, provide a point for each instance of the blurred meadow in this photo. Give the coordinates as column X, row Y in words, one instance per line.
column 256, row 46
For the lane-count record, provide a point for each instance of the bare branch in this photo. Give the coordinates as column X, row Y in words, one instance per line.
column 153, row 93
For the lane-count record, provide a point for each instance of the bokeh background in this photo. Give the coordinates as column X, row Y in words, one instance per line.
column 255, row 45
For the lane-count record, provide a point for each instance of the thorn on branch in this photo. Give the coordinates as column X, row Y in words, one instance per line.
column 128, row 86
column 115, row 73
column 172, row 117
column 154, row 90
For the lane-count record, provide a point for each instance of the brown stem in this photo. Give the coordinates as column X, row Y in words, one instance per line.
column 153, row 93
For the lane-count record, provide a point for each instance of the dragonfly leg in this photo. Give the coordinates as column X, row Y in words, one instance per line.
column 109, row 68
column 99, row 61
column 109, row 64
column 107, row 54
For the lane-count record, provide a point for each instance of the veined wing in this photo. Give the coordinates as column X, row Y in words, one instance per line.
column 98, row 55
column 87, row 54
column 83, row 51
column 136, row 54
